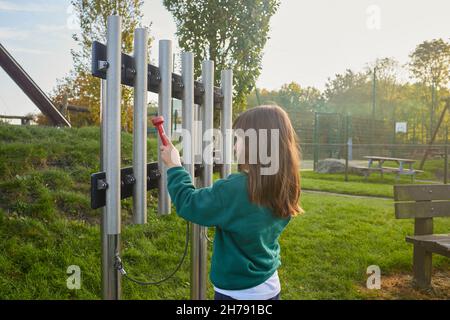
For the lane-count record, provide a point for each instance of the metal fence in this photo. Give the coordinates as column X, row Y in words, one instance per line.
column 338, row 136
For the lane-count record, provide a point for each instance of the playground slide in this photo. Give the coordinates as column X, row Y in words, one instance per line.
column 30, row 88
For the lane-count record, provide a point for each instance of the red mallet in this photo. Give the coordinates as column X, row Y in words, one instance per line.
column 158, row 123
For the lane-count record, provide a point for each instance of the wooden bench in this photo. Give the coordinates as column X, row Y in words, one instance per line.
column 423, row 203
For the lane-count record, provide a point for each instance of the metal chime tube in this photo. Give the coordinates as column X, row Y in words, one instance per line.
column 140, row 127
column 187, row 65
column 111, row 156
column 226, row 115
column 164, row 109
column 208, row 121
column 199, row 242
column 189, row 141
column 104, row 236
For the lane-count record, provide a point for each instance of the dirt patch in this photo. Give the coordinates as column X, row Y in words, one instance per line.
column 401, row 286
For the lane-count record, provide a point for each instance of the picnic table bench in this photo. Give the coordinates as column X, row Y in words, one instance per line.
column 423, row 203
column 400, row 170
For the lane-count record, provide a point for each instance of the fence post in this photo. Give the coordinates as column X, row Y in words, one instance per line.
column 394, row 140
column 346, row 146
column 446, row 156
column 315, row 141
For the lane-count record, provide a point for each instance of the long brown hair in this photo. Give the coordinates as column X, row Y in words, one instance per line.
column 280, row 191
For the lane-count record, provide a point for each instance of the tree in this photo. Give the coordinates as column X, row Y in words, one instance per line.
column 80, row 86
column 232, row 33
column 290, row 96
column 430, row 63
column 348, row 93
column 387, row 86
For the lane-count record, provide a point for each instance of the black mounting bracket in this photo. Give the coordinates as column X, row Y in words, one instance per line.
column 99, row 183
column 100, row 65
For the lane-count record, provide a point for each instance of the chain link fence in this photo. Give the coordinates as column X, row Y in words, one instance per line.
column 351, row 139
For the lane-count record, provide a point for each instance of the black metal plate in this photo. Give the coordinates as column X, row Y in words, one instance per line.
column 128, row 66
column 98, row 196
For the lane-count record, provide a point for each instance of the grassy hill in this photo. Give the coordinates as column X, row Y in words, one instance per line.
column 46, row 225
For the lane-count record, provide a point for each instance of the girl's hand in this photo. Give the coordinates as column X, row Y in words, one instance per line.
column 170, row 155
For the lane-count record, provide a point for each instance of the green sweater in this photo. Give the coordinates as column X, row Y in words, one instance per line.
column 246, row 251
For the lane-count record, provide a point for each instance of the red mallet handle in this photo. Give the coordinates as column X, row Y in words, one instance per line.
column 158, row 123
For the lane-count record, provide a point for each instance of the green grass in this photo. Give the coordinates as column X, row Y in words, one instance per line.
column 326, row 251
column 356, row 184
column 351, row 187
column 46, row 225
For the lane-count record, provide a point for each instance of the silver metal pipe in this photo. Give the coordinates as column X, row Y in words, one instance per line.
column 226, row 116
column 197, row 136
column 140, row 127
column 112, row 118
column 198, row 262
column 188, row 159
column 198, row 242
column 208, row 121
column 103, row 235
column 110, row 161
column 112, row 277
column 199, row 258
column 187, row 65
column 164, row 109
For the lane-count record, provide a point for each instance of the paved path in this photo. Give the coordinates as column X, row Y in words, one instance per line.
column 345, row 195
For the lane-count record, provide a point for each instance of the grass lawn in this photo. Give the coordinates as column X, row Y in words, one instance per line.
column 46, row 225
column 325, row 252
column 356, row 185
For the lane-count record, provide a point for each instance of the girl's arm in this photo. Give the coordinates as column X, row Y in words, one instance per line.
column 202, row 206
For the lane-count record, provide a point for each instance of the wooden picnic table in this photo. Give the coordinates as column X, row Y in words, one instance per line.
column 404, row 166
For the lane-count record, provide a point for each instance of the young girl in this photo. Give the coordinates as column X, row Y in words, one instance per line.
column 249, row 210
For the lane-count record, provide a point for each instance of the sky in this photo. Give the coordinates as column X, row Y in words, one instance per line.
column 310, row 40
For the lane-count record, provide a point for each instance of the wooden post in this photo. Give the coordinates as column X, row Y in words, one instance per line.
column 346, row 146
column 422, row 259
column 315, row 141
column 446, row 156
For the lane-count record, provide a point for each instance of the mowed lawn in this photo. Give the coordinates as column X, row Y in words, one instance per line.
column 374, row 186
column 325, row 253
column 46, row 226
